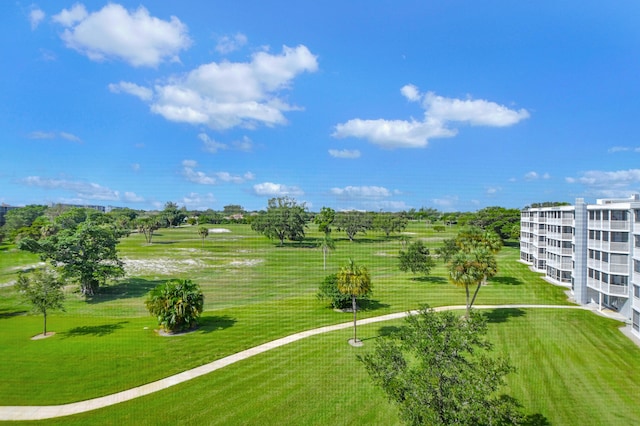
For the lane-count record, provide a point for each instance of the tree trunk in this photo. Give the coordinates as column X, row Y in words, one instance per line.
column 466, row 288
column 45, row 322
column 324, row 258
column 353, row 305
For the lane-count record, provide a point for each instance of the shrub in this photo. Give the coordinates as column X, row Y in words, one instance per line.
column 329, row 291
column 177, row 304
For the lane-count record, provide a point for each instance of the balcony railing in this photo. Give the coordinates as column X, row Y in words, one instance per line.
column 610, row 289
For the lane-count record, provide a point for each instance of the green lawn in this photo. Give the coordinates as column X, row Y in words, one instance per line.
column 584, row 372
column 254, row 291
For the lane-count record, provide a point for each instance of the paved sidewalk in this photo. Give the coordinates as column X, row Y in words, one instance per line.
column 51, row 411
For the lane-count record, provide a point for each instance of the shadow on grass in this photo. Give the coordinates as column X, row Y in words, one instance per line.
column 430, row 279
column 495, row 316
column 388, row 330
column 215, row 323
column 506, row 280
column 536, row 420
column 371, row 305
column 7, row 314
column 94, row 330
column 127, row 289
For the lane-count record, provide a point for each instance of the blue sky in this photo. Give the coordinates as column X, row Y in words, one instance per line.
column 374, row 105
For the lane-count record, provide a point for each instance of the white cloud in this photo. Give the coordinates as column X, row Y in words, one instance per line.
column 368, row 192
column 623, row 149
column 410, row 92
column 276, row 190
column 230, row 94
column 618, row 183
column 70, row 17
column 228, row 44
column 245, row 144
column 131, row 197
column 132, row 36
column 532, row 175
column 143, row 93
column 447, row 202
column 475, row 112
column 439, row 114
column 54, row 135
column 195, row 176
column 85, row 190
column 195, row 201
column 135, row 167
column 493, row 190
column 344, row 153
column 211, row 145
column 36, row 16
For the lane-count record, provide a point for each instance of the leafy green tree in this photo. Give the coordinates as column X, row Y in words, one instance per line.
column 416, row 258
column 203, row 231
column 284, row 219
column 148, row 225
column 438, row 371
column 43, row 290
column 355, row 281
column 472, row 268
column 325, row 219
column 86, row 254
column 352, row 223
column 177, row 304
column 389, row 222
column 497, row 219
column 173, row 214
column 233, row 209
column 22, row 217
column 328, row 290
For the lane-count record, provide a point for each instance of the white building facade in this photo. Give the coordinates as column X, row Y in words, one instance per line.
column 592, row 248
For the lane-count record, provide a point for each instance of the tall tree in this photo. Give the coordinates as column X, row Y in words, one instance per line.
column 22, row 217
column 416, row 258
column 352, row 223
column 87, row 254
column 203, row 231
column 43, row 290
column 355, row 281
column 438, row 372
column 390, row 222
column 472, row 268
column 284, row 219
column 325, row 219
column 148, row 225
column 173, row 214
column 326, row 244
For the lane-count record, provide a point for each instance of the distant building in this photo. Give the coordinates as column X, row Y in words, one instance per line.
column 102, row 209
column 594, row 249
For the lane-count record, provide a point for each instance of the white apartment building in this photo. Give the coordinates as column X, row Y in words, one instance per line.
column 594, row 249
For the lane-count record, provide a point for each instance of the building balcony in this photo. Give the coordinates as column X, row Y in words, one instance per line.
column 610, row 289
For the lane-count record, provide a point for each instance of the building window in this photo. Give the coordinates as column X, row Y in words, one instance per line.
column 636, row 321
column 636, row 265
column 605, row 236
column 619, row 280
column 619, row 237
column 637, row 212
column 618, row 215
column 605, row 215
column 636, row 291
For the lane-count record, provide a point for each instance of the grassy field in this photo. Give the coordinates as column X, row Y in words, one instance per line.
column 256, row 291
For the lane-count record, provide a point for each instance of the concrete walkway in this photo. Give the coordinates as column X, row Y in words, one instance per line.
column 51, row 411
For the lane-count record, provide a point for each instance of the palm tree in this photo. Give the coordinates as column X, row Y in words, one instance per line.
column 326, row 244
column 472, row 268
column 355, row 281
column 204, row 232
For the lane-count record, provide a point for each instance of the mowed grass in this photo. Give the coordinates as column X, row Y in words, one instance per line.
column 572, row 368
column 255, row 291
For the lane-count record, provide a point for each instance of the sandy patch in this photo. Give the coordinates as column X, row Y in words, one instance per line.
column 42, row 336
column 218, row 230
column 247, row 262
column 162, row 266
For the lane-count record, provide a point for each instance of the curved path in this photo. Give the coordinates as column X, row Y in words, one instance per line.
column 51, row 411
